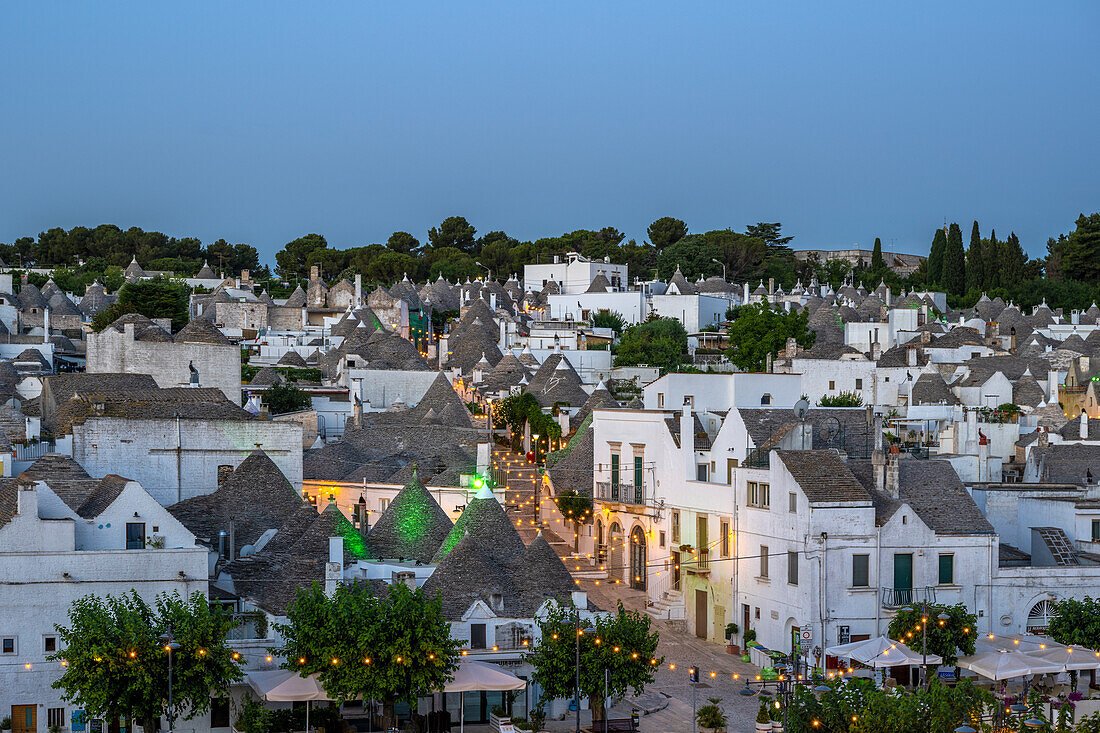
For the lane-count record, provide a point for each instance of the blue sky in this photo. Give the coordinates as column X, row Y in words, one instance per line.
column 259, row 122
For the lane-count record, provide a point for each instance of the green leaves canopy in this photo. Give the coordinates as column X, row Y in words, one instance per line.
column 658, row 342
column 758, row 330
column 1076, row 622
column 116, row 665
column 631, row 667
column 393, row 646
column 955, row 635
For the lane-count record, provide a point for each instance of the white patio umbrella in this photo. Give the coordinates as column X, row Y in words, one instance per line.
column 1070, row 657
column 1000, row 664
column 282, row 685
column 474, row 676
column 882, row 652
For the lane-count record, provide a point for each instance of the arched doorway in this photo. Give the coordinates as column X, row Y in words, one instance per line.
column 615, row 565
column 637, row 559
column 1038, row 619
column 601, row 553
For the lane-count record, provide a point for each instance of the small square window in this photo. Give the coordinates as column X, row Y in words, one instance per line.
column 832, row 385
column 7, row 645
column 662, row 538
column 859, row 384
column 55, row 716
column 49, row 644
column 757, row 613
column 792, row 503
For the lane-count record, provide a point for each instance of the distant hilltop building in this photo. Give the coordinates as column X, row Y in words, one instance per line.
column 902, row 264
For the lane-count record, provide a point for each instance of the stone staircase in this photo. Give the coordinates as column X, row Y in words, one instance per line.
column 669, row 607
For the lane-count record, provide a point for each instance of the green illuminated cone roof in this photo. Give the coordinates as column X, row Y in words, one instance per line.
column 413, row 525
column 488, row 525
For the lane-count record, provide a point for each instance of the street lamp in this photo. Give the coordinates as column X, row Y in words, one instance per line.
column 170, row 645
column 488, row 272
column 943, row 618
column 723, row 264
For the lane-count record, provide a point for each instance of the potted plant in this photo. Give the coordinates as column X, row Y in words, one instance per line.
column 5, row 723
column 750, row 639
column 537, row 717
column 763, row 717
column 777, row 719
column 711, row 716
column 731, row 632
column 497, row 716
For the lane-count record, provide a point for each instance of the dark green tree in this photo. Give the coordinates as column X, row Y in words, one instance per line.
column 935, row 257
column 658, row 342
column 945, row 638
column 877, row 263
column 117, row 667
column 991, row 262
column 453, row 232
column 1079, row 251
column 1076, row 622
column 666, row 231
column 843, row 399
column 758, row 331
column 609, row 319
column 770, row 233
column 1013, row 260
column 975, row 261
column 622, row 644
column 158, row 297
column 396, row 646
column 953, row 279
column 282, row 398
column 293, row 259
column 403, row 242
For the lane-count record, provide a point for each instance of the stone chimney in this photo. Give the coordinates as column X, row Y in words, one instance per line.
column 128, row 332
column 224, row 472
column 992, row 333
column 1052, row 387
column 1084, row 425
column 893, row 473
column 580, row 599
column 26, row 500
column 1043, row 440
column 876, row 351
column 358, row 290
column 245, row 277
column 878, row 464
column 687, row 441
column 334, row 568
column 768, row 365
column 314, row 273
column 771, row 286
column 792, row 348
column 911, row 356
column 925, row 337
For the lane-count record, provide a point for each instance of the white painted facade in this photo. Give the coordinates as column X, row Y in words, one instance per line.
column 178, row 458
column 49, row 558
column 573, row 274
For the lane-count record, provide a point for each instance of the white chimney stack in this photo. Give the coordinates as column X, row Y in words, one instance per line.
column 1084, row 425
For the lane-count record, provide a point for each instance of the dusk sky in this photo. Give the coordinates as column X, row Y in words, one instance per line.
column 260, row 122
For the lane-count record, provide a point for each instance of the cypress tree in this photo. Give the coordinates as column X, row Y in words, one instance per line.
column 953, row 278
column 1013, row 259
column 877, row 263
column 975, row 261
column 992, row 269
column 935, row 257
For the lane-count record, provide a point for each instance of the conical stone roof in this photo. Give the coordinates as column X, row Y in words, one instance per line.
column 488, row 525
column 413, row 526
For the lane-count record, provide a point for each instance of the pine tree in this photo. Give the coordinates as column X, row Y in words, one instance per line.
column 877, row 263
column 975, row 262
column 935, row 257
column 953, row 279
column 992, row 261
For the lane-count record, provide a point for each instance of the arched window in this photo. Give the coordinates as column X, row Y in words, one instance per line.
column 766, row 398
column 637, row 559
column 1039, row 618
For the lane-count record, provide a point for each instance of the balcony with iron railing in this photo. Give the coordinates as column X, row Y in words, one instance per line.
column 901, row 597
column 611, row 491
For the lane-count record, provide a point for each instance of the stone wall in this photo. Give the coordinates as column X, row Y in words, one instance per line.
column 219, row 365
column 176, row 460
